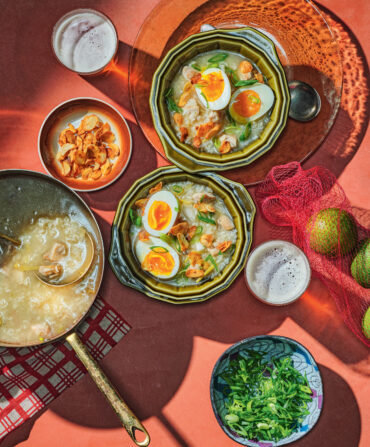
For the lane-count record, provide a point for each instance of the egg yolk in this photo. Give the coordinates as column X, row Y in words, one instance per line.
column 247, row 103
column 158, row 263
column 159, row 215
column 213, row 85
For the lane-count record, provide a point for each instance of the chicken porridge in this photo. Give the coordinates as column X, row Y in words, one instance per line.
column 182, row 233
column 219, row 102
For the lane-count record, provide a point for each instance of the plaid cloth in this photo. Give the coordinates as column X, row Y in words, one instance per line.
column 33, row 377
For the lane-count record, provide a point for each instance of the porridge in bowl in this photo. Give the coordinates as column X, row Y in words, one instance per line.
column 219, row 102
column 182, row 233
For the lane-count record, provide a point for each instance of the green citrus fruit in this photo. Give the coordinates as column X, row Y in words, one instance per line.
column 360, row 267
column 332, row 232
column 366, row 323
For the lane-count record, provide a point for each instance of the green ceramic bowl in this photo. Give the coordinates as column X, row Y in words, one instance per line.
column 248, row 42
column 128, row 270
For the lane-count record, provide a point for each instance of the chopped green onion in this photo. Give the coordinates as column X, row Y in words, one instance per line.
column 177, row 245
column 232, row 74
column 166, row 238
column 254, row 100
column 211, row 259
column 199, row 85
column 198, row 231
column 196, row 67
column 265, row 399
column 244, row 83
column 177, row 209
column 159, row 249
column 204, row 96
column 230, row 118
column 184, row 268
column 219, row 57
column 173, row 107
column 204, row 217
column 231, row 128
column 169, row 93
column 135, row 218
column 246, row 132
column 216, row 142
column 178, row 189
column 213, row 65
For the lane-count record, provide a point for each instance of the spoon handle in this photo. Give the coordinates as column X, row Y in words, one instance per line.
column 126, row 416
column 10, row 239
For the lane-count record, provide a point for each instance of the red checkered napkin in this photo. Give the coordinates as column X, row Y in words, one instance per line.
column 31, row 378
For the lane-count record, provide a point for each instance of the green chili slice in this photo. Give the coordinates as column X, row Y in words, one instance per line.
column 135, row 218
column 159, row 249
column 244, row 83
column 219, row 57
column 196, row 67
column 211, row 259
column 204, row 217
column 173, row 107
column 178, row 189
column 246, row 132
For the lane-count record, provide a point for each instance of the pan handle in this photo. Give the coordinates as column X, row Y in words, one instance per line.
column 125, row 415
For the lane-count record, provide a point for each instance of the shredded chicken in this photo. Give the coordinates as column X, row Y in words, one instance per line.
column 52, row 271
column 57, row 252
column 225, row 222
column 230, row 139
column 189, row 72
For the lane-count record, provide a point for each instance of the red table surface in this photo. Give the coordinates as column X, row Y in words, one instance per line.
column 163, row 367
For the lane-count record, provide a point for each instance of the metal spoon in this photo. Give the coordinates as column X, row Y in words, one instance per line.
column 305, row 102
column 70, row 279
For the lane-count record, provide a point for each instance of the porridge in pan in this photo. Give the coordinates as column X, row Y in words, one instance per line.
column 30, row 310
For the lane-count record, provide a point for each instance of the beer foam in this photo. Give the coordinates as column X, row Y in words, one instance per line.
column 278, row 272
column 84, row 41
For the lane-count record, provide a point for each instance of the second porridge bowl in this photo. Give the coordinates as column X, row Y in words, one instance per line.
column 219, row 99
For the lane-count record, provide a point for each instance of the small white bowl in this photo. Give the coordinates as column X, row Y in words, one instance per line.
column 277, row 264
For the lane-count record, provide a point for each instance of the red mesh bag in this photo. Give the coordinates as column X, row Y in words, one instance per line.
column 324, row 227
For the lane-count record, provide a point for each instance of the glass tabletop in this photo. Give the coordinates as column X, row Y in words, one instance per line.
column 306, row 47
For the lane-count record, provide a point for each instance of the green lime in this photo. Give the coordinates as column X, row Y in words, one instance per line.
column 366, row 323
column 360, row 267
column 333, row 232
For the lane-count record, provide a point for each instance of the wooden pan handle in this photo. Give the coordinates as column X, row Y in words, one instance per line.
column 126, row 416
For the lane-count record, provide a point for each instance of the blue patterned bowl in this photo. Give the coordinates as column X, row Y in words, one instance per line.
column 274, row 346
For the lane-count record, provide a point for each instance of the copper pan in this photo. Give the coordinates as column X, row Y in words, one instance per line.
column 22, row 193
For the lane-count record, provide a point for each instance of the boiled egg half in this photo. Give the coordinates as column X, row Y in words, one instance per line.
column 157, row 258
column 160, row 213
column 214, row 89
column 251, row 102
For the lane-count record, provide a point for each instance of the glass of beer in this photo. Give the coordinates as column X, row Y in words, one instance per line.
column 85, row 41
column 277, row 272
